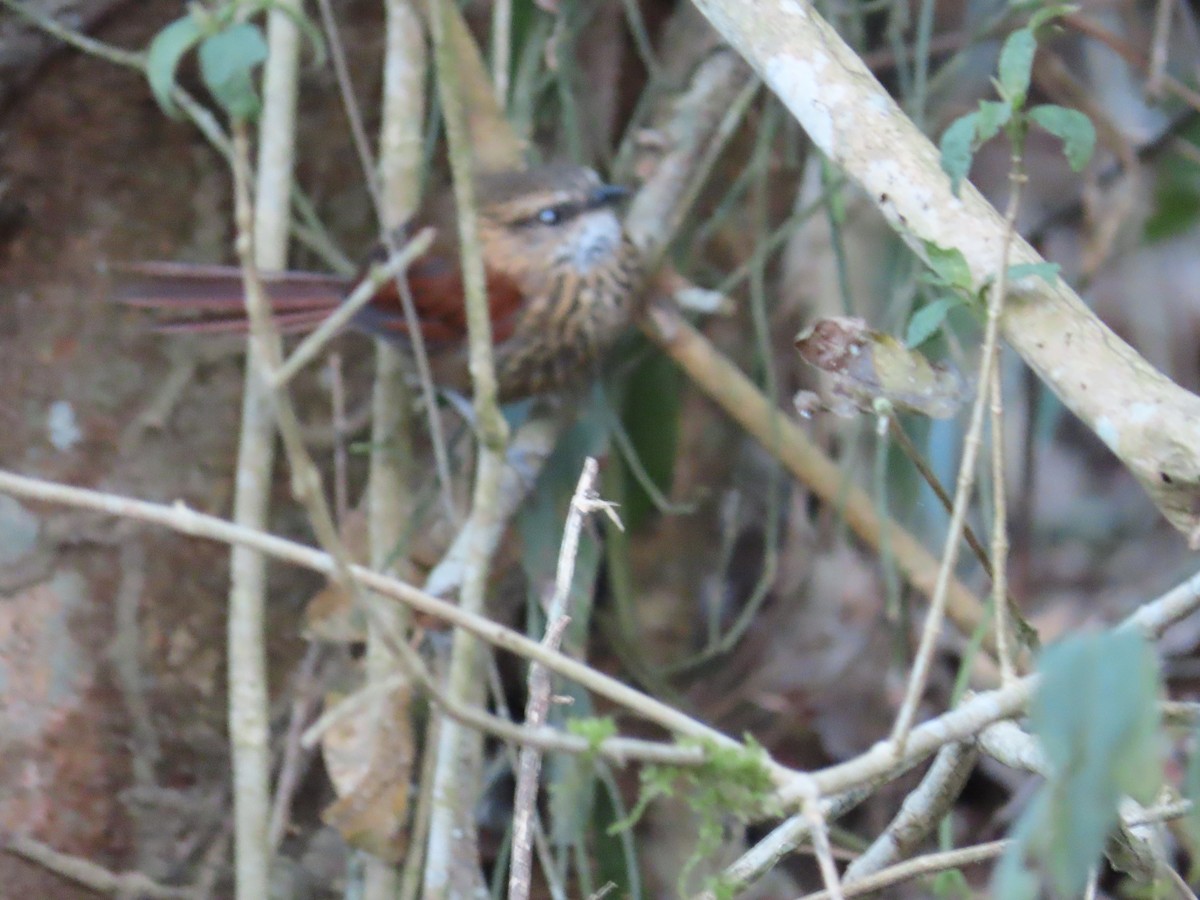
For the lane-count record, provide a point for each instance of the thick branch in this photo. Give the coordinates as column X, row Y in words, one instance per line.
column 1148, row 421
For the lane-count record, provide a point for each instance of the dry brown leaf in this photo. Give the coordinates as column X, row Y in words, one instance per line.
column 867, row 366
column 369, row 757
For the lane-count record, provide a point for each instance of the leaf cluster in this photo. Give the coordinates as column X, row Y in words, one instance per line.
column 1014, row 72
column 732, row 782
column 950, row 278
column 1096, row 716
column 229, row 48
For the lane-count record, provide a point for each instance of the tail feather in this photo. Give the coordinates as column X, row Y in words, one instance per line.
column 216, row 294
column 287, row 323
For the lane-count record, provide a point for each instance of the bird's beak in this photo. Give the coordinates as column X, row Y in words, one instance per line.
column 607, row 194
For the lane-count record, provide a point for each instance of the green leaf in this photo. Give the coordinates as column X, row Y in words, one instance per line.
column 993, row 115
column 227, row 63
column 1047, row 271
column 594, row 729
column 926, row 321
column 957, row 148
column 1072, row 127
column 1096, row 715
column 1012, row 878
column 1016, row 64
column 651, row 418
column 1175, row 211
column 950, row 266
column 162, row 59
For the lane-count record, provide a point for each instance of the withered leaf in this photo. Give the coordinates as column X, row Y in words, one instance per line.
column 866, row 366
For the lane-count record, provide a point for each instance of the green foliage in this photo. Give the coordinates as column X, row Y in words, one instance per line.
column 950, row 884
column 967, row 133
column 166, row 50
column 1177, row 191
column 1096, row 716
column 928, row 320
column 731, row 782
column 1072, row 127
column 651, row 417
column 950, row 275
column 593, row 729
column 227, row 62
column 230, row 50
column 949, row 268
column 1016, row 66
column 993, row 115
column 957, row 148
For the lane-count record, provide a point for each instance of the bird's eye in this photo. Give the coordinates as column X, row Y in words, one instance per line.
column 549, row 216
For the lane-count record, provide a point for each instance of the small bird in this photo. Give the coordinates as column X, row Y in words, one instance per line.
column 561, row 283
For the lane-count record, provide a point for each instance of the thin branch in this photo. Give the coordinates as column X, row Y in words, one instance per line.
column 782, row 841
column 968, row 719
column 818, row 831
column 262, row 242
column 452, row 866
column 520, row 876
column 92, row 876
column 922, row 866
column 920, row 813
column 180, row 518
column 362, row 294
column 989, row 358
column 390, row 486
column 305, row 698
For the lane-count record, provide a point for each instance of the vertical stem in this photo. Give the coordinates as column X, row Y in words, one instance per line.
column 249, row 734
column 452, row 869
column 966, row 478
column 390, row 486
column 501, row 48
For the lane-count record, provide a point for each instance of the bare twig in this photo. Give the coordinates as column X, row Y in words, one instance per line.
column 125, row 654
column 362, row 294
column 615, row 750
column 782, row 841
column 818, row 830
column 971, row 718
column 337, row 393
column 919, row 814
column 92, row 876
column 292, row 765
column 930, row 864
column 187, row 521
column 989, row 359
column 1157, row 67
column 537, row 705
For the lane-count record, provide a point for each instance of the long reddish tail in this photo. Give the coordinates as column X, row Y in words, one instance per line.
column 203, row 299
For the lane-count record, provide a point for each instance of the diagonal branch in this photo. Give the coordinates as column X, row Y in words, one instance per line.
column 1148, row 421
